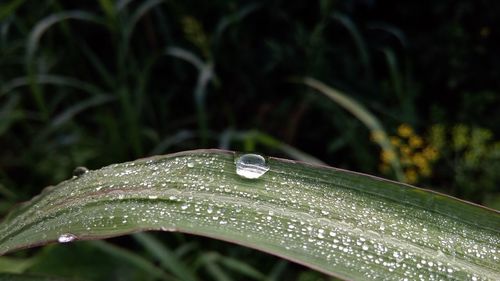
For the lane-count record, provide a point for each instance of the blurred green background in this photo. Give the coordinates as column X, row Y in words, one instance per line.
column 90, row 83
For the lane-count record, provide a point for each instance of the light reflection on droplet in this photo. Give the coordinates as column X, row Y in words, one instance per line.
column 251, row 166
column 67, row 237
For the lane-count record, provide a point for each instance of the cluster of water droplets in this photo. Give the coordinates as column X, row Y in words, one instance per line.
column 315, row 214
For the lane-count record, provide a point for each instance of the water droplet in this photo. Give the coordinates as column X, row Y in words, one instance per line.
column 190, row 164
column 65, row 238
column 169, row 229
column 251, row 166
column 79, row 171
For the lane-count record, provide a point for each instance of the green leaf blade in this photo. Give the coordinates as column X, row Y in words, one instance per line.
column 345, row 224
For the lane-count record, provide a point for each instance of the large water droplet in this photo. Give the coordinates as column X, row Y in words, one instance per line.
column 65, row 238
column 79, row 171
column 251, row 166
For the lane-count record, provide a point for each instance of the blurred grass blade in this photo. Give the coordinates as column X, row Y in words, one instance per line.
column 358, row 41
column 205, row 75
column 241, row 267
column 15, row 265
column 342, row 223
column 395, row 73
column 10, row 113
column 121, row 4
column 233, row 18
column 171, row 140
column 52, row 80
column 186, row 56
column 8, row 8
column 166, row 256
column 69, row 113
column 80, row 107
column 29, row 277
column 42, row 26
column 209, row 262
column 269, row 141
column 392, row 30
column 98, row 64
column 32, row 44
column 132, row 258
column 4, row 191
column 142, row 10
column 377, row 131
column 277, row 270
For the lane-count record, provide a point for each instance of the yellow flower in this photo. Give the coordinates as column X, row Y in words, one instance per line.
column 426, row 171
column 405, row 150
column 430, row 153
column 377, row 136
column 411, row 176
column 415, row 141
column 419, row 160
column 404, row 130
column 395, row 141
column 387, row 156
column 405, row 160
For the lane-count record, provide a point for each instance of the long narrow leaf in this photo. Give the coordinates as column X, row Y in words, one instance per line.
column 366, row 117
column 342, row 223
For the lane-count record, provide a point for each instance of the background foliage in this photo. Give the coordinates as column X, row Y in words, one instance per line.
column 97, row 82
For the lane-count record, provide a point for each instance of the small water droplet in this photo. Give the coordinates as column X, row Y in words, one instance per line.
column 251, row 166
column 65, row 238
column 169, row 229
column 190, row 164
column 79, row 171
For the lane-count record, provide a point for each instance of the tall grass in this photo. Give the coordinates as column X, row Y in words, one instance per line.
column 100, row 82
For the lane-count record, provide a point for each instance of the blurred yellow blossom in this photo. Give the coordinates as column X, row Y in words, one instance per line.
column 395, row 141
column 377, row 136
column 416, row 141
column 415, row 154
column 387, row 156
column 405, row 131
column 430, row 153
column 411, row 176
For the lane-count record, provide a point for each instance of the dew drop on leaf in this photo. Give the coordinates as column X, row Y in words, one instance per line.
column 79, row 171
column 65, row 238
column 251, row 166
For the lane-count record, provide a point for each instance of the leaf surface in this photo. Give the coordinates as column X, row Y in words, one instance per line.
column 346, row 224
